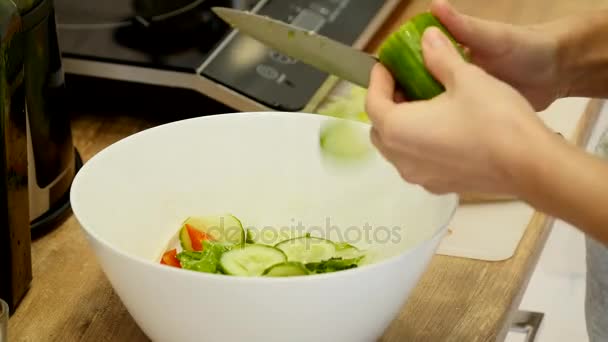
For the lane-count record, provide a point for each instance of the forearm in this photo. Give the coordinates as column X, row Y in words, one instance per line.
column 582, row 56
column 571, row 185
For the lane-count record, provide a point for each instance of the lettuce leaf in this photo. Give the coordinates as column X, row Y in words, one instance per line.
column 333, row 265
column 207, row 260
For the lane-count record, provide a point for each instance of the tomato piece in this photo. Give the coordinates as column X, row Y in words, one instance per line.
column 197, row 237
column 170, row 259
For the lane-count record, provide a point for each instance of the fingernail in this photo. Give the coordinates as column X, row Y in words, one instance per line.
column 434, row 38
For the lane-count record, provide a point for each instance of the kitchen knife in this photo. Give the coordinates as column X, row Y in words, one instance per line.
column 300, row 41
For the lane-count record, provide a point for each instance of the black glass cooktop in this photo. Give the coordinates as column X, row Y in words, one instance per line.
column 119, row 31
column 186, row 36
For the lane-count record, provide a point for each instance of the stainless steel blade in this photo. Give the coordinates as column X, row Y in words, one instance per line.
column 302, row 43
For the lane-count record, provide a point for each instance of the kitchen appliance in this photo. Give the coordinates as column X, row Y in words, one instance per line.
column 37, row 158
column 183, row 44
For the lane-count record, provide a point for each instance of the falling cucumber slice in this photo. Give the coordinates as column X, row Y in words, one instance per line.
column 251, row 260
column 345, row 140
column 286, row 269
column 401, row 53
column 307, row 249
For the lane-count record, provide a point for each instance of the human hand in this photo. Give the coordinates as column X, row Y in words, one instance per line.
column 526, row 57
column 477, row 136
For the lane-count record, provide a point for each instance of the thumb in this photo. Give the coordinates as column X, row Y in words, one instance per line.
column 440, row 56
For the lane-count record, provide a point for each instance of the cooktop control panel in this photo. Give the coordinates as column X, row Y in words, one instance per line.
column 276, row 80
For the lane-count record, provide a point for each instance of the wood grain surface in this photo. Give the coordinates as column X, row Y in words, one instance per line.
column 457, row 299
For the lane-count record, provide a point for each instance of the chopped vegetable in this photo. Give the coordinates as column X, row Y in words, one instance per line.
column 401, row 53
column 307, row 249
column 251, row 260
column 350, row 106
column 333, row 265
column 346, row 251
column 221, row 228
column 344, row 141
column 170, row 259
column 286, row 269
column 291, row 254
column 249, row 237
column 196, row 237
column 205, row 261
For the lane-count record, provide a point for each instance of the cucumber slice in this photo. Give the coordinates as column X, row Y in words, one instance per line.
column 286, row 269
column 347, row 251
column 342, row 139
column 221, row 228
column 251, row 260
column 343, row 245
column 401, row 54
column 249, row 236
column 307, row 249
column 184, row 239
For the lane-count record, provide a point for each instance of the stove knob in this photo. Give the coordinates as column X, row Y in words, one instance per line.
column 267, row 72
column 281, row 58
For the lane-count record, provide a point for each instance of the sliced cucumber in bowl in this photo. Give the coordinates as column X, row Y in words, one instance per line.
column 307, row 249
column 220, row 228
column 286, row 269
column 251, row 260
column 347, row 251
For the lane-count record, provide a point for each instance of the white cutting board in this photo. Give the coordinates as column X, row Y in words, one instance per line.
column 492, row 231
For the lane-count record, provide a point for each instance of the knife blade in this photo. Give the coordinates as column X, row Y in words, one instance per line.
column 302, row 43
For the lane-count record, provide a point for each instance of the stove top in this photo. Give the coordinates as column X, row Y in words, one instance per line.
column 182, row 43
column 114, row 31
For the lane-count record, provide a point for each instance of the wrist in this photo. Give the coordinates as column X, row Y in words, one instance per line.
column 531, row 169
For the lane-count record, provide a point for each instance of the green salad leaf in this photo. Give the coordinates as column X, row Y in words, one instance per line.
column 205, row 261
column 333, row 265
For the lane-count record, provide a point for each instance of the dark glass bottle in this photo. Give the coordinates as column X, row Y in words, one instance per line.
column 15, row 236
column 52, row 154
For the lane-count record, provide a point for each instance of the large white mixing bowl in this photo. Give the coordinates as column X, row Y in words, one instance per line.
column 266, row 169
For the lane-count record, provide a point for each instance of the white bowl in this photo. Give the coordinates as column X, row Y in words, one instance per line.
column 266, row 169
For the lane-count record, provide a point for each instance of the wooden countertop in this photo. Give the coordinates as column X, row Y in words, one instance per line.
column 457, row 299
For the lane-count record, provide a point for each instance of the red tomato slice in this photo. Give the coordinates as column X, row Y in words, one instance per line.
column 197, row 237
column 170, row 259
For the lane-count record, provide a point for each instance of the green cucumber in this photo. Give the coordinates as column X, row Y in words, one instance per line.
column 342, row 139
column 401, row 53
column 251, row 260
column 221, row 228
column 347, row 251
column 184, row 239
column 249, row 236
column 286, row 269
column 343, row 245
column 307, row 249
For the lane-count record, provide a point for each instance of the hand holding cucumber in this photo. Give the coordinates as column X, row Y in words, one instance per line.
column 481, row 134
column 523, row 56
column 466, row 139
